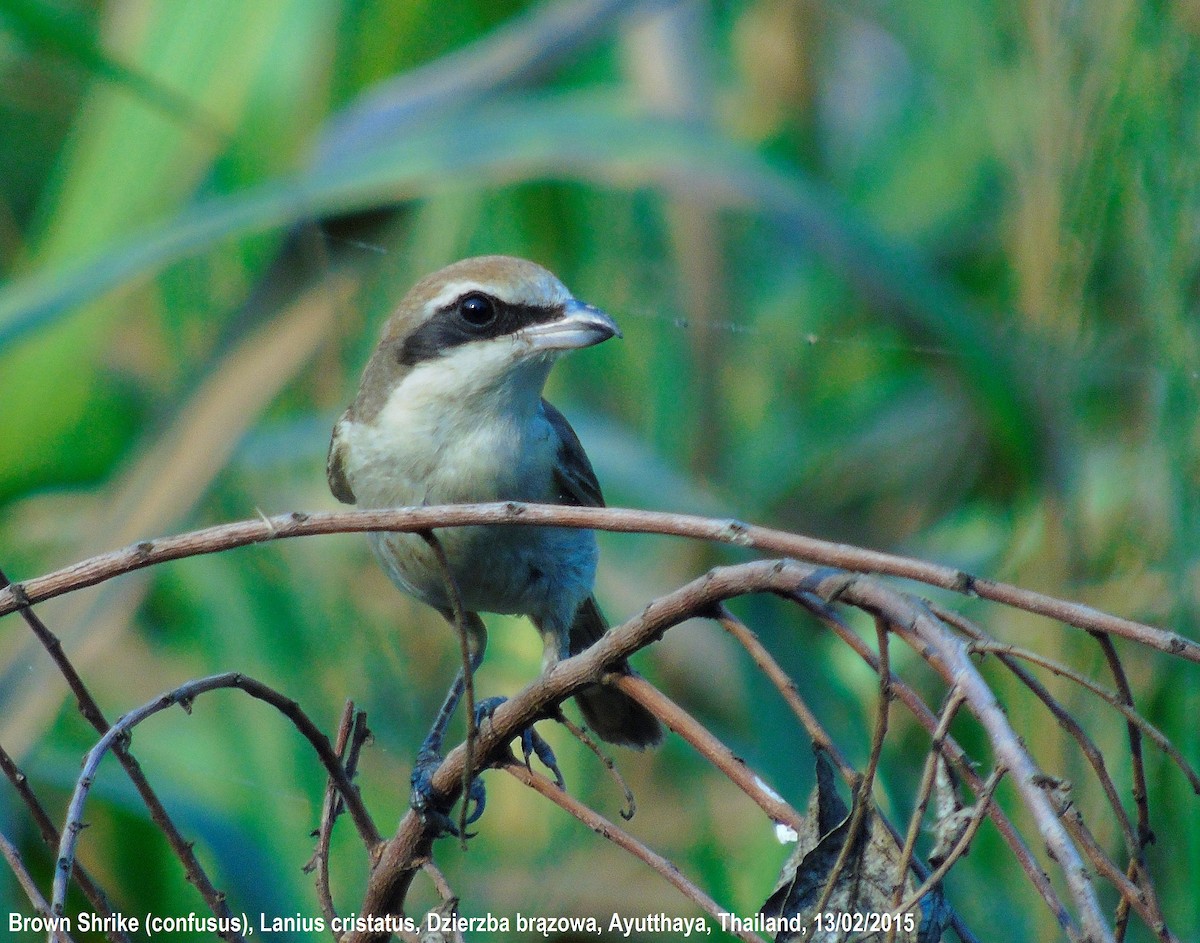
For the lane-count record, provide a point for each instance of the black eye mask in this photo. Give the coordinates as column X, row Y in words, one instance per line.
column 475, row 316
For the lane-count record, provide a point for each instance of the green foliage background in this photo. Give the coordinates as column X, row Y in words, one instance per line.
column 916, row 275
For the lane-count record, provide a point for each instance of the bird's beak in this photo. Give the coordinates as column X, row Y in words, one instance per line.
column 581, row 325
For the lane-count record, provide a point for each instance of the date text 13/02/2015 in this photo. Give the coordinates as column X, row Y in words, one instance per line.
column 831, row 921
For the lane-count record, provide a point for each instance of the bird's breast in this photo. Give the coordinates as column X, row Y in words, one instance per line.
column 415, row 457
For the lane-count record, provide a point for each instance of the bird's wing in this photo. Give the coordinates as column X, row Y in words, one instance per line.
column 335, row 468
column 573, row 473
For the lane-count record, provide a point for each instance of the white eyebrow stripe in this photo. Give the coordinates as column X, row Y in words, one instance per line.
column 455, row 290
column 553, row 293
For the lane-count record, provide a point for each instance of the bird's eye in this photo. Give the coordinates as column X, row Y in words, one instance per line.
column 477, row 309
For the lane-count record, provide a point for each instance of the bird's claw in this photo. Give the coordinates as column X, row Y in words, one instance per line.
column 532, row 742
column 425, row 802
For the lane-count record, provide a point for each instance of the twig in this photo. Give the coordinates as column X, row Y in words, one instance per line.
column 29, row 886
column 622, row 839
column 49, row 832
column 954, row 754
column 708, row 746
column 331, row 807
column 982, row 801
column 948, row 655
column 1086, row 745
column 953, row 702
column 787, row 689
column 581, row 734
column 448, row 897
column 1003, row 651
column 1136, row 869
column 1147, row 901
column 392, row 875
column 1108, row 868
column 412, row 520
column 440, row 884
column 184, row 695
column 937, row 649
column 393, row 872
column 863, row 803
column 182, row 849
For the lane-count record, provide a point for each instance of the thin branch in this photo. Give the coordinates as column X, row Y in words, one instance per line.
column 349, row 739
column 708, row 746
column 440, row 884
column 982, row 801
column 181, row 847
column 581, row 734
column 953, row 702
column 392, row 874
column 953, row 754
column 1073, row 728
column 49, row 832
column 448, row 897
column 29, row 886
column 1136, row 869
column 1108, row 868
column 937, row 649
column 863, row 802
column 1004, row 651
column 787, row 689
column 622, row 520
column 1144, row 902
column 786, row 686
column 948, row 655
column 184, row 695
column 622, row 839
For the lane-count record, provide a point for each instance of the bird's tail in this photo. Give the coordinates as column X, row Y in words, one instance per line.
column 613, row 715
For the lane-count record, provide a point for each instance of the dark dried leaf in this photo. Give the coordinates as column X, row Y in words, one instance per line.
column 861, row 897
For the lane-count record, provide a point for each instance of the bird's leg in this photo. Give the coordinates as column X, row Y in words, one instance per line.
column 555, row 641
column 429, row 757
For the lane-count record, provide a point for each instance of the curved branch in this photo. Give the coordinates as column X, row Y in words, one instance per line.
column 952, row 752
column 90, row 709
column 41, row 818
column 411, row 520
column 184, row 695
column 393, row 872
column 911, row 620
column 1006, row 653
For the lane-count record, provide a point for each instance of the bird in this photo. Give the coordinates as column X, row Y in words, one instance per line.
column 450, row 410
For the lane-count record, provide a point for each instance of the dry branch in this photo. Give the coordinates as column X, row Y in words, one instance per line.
column 180, row 847
column 413, row 520
column 622, row 839
column 184, row 696
column 396, row 860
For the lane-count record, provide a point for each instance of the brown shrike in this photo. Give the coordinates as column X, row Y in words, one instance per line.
column 450, row 410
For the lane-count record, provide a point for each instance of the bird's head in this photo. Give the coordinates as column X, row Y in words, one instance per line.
column 476, row 324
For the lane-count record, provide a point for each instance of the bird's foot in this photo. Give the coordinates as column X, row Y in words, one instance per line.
column 432, row 809
column 532, row 742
